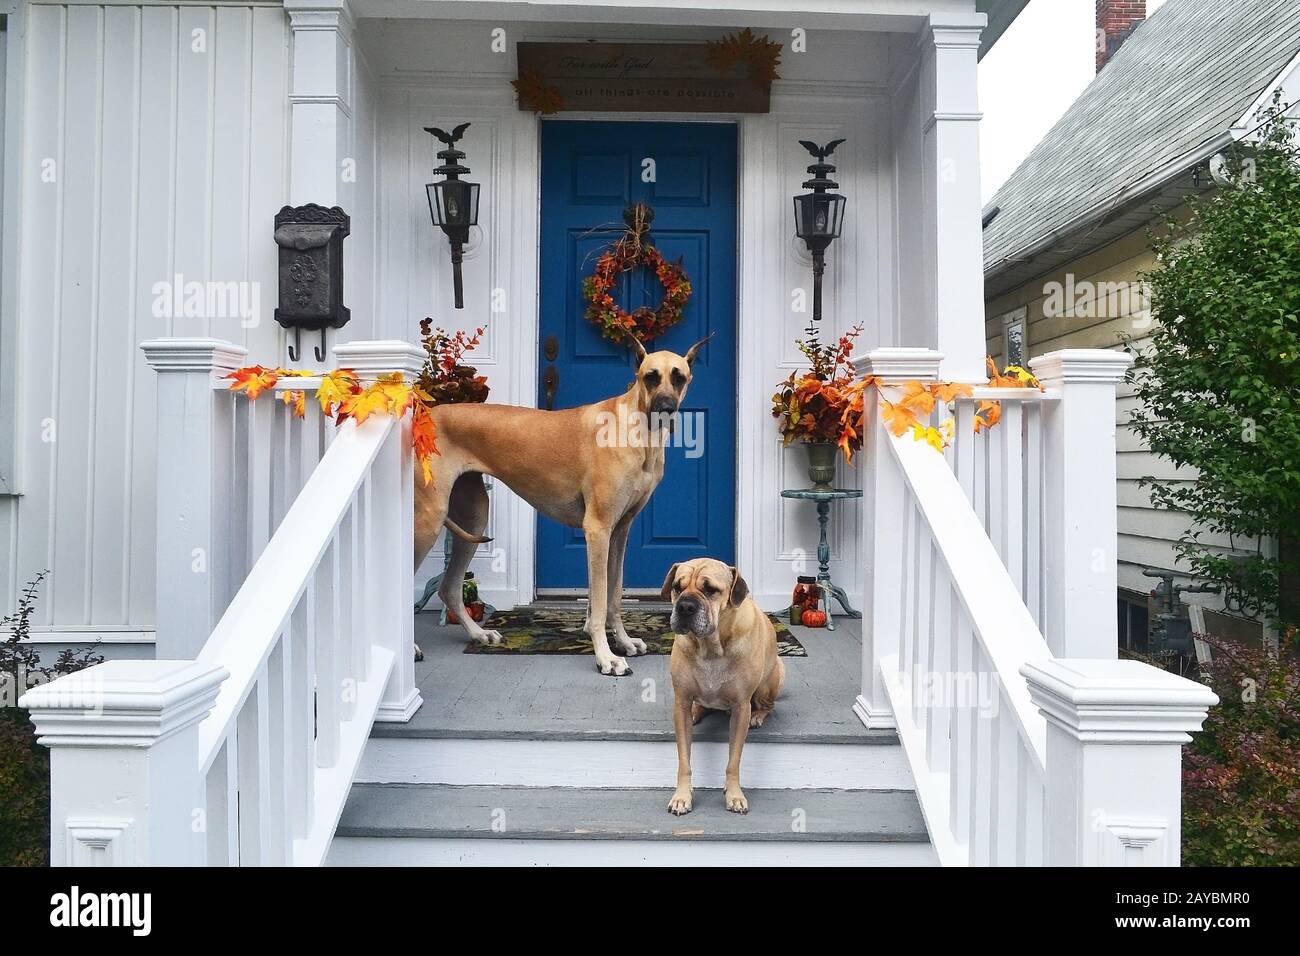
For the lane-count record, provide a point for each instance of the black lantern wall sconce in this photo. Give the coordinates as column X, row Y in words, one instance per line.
column 453, row 202
column 819, row 215
column 311, row 238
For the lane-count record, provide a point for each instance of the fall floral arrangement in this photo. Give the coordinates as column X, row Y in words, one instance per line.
column 759, row 55
column 342, row 395
column 445, row 378
column 810, row 406
column 631, row 250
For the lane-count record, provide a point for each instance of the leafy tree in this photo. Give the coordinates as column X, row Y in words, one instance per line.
column 1219, row 379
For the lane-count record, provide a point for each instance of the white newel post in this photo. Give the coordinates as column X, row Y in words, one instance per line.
column 883, row 528
column 193, row 538
column 1081, row 538
column 394, row 530
column 953, row 236
column 1115, row 731
column 126, row 787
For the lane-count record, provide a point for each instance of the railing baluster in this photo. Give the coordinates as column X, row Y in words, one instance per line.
column 963, row 715
column 982, row 763
column 1008, row 757
column 254, row 777
column 1033, row 465
column 1012, row 517
column 361, row 619
column 328, row 698
column 345, row 546
column 302, row 710
column 1031, row 820
column 907, row 560
column 279, row 735
column 924, row 619
column 221, row 818
column 941, row 669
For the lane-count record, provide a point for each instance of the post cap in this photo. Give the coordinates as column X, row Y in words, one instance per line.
column 1117, row 701
column 193, row 355
column 1071, row 366
column 375, row 357
column 901, row 364
column 123, row 703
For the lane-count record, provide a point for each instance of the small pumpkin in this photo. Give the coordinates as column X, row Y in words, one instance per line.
column 814, row 618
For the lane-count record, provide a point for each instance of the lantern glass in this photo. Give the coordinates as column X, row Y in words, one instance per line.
column 818, row 215
column 453, row 202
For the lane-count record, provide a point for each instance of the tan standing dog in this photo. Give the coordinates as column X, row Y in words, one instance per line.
column 724, row 658
column 565, row 465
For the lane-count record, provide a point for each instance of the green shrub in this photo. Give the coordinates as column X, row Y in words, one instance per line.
column 24, row 792
column 24, row 764
column 1241, row 774
column 1219, row 381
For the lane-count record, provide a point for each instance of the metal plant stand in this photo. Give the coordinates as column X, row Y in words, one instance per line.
column 829, row 588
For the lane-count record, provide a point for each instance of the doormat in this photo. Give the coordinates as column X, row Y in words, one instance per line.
column 545, row 630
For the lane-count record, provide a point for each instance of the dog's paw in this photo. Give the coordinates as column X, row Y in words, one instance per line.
column 490, row 638
column 681, row 803
column 612, row 666
column 736, row 801
column 631, row 646
column 697, row 712
column 757, row 717
column 419, row 654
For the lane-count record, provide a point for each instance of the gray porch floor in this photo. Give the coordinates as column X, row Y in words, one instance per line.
column 563, row 696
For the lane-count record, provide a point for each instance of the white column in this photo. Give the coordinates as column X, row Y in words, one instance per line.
column 320, row 99
column 193, row 454
column 1081, row 576
column 393, row 537
column 883, row 528
column 126, row 787
column 953, row 236
column 1115, row 730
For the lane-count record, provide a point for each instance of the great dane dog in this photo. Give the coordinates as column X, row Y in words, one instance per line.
column 592, row 467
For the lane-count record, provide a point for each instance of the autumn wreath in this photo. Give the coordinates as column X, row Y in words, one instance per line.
column 632, row 250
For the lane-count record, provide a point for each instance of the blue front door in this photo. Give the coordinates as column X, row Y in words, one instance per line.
column 591, row 172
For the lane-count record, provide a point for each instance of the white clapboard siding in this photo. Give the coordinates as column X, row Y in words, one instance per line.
column 148, row 149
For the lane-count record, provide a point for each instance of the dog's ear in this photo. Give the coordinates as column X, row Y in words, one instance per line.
column 638, row 348
column 694, row 350
column 667, row 591
column 739, row 589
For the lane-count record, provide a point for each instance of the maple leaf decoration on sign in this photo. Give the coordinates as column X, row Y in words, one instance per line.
column 759, row 55
column 342, row 396
column 534, row 93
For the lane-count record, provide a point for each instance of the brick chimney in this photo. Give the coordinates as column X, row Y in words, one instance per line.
column 1116, row 19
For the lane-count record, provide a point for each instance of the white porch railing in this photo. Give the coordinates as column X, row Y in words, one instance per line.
column 1021, row 755
column 244, row 754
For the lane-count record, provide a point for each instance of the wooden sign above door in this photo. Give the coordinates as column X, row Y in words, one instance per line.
column 634, row 77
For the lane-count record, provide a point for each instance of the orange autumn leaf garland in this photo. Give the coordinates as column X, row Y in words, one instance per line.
column 342, row 396
column 915, row 402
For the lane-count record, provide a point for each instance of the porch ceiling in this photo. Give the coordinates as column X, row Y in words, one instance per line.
column 883, row 16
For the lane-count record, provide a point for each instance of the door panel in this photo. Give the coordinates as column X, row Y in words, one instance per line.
column 586, row 184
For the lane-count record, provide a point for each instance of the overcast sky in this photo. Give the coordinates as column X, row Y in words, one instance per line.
column 1030, row 77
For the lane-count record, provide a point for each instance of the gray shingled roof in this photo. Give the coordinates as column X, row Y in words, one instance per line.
column 1180, row 81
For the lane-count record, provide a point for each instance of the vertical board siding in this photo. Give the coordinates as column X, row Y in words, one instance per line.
column 154, row 144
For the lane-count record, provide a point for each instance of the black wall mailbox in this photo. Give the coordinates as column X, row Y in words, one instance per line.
column 311, row 238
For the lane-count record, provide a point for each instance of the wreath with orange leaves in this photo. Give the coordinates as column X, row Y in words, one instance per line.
column 633, row 250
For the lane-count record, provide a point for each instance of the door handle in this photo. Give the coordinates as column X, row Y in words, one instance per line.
column 550, row 383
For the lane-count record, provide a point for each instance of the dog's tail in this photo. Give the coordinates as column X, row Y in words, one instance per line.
column 464, row 535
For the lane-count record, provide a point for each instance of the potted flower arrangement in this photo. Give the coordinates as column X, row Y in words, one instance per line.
column 810, row 405
column 445, row 379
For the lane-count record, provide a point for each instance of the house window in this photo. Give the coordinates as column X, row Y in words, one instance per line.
column 1013, row 337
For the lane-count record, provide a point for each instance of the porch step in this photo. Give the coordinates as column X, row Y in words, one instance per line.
column 414, row 824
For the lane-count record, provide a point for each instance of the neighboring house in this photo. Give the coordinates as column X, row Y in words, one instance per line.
column 1066, row 235
column 259, row 568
